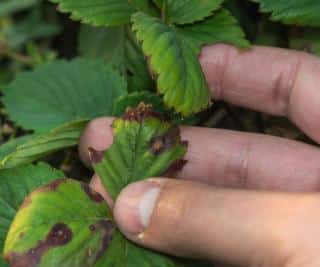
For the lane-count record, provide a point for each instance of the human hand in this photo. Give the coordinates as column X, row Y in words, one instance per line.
column 244, row 199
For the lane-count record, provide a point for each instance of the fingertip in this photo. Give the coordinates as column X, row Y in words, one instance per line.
column 134, row 207
column 96, row 185
column 97, row 135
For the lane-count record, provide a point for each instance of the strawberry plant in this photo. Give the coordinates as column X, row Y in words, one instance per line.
column 136, row 60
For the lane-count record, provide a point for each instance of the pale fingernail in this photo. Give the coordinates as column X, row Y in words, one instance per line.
column 135, row 205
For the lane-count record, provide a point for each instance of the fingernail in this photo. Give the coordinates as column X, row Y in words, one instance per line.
column 135, row 205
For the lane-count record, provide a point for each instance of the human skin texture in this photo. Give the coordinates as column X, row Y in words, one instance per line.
column 243, row 199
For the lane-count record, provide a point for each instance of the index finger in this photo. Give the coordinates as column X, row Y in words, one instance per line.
column 272, row 80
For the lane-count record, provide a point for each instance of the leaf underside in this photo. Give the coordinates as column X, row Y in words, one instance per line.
column 299, row 12
column 144, row 145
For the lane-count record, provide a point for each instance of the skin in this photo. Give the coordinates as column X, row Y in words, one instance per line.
column 243, row 199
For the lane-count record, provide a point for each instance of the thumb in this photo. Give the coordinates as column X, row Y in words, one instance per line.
column 189, row 219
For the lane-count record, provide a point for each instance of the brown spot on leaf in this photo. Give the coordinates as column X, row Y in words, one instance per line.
column 95, row 156
column 92, row 228
column 141, row 112
column 53, row 186
column 174, row 168
column 59, row 235
column 108, row 227
column 93, row 195
column 162, row 143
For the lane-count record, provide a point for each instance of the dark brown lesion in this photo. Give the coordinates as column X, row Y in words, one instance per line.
column 59, row 235
column 166, row 141
column 174, row 168
column 108, row 228
column 93, row 195
column 142, row 112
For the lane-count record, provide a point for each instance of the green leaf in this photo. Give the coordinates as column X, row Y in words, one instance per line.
column 188, row 11
column 10, row 146
column 117, row 46
column 61, row 224
column 8, row 7
column 15, row 185
column 174, row 62
column 103, row 12
column 220, row 28
column 61, row 92
column 42, row 145
column 144, row 145
column 299, row 12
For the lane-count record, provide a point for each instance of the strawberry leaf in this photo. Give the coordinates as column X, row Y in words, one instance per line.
column 188, row 11
column 174, row 61
column 117, row 46
column 144, row 145
column 57, row 93
column 103, row 12
column 38, row 146
column 15, row 185
column 299, row 12
column 63, row 223
column 220, row 28
column 66, row 224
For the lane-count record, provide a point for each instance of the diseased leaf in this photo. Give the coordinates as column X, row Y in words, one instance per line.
column 134, row 99
column 299, row 12
column 61, row 92
column 103, row 12
column 63, row 224
column 66, row 224
column 144, row 145
column 220, row 28
column 188, row 11
column 15, row 185
column 117, row 46
column 174, row 62
column 42, row 145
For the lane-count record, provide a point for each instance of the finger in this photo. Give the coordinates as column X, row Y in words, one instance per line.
column 272, row 80
column 187, row 219
column 97, row 186
column 233, row 159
